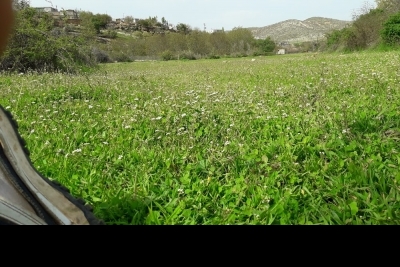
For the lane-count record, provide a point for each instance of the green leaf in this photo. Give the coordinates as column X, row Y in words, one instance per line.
column 96, row 199
column 354, row 208
column 265, row 159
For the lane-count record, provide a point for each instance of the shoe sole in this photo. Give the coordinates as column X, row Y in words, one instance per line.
column 11, row 214
column 55, row 199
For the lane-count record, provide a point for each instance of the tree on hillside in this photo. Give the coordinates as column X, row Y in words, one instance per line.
column 128, row 19
column 183, row 28
column 87, row 24
column 100, row 21
column 94, row 23
column 147, row 24
column 392, row 6
column 164, row 23
column 21, row 4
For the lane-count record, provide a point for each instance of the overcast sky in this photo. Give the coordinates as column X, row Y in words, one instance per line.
column 216, row 14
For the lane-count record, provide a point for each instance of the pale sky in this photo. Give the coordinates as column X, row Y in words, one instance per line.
column 216, row 14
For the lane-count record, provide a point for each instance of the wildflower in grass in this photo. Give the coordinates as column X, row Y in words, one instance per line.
column 344, row 131
column 90, row 106
column 120, row 157
column 181, row 191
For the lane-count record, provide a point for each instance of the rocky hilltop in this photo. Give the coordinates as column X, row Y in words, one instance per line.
column 297, row 31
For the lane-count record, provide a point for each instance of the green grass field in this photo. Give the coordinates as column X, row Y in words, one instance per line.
column 295, row 139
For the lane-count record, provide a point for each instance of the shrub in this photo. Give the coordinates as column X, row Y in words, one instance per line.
column 100, row 56
column 187, row 56
column 111, row 34
column 213, row 56
column 167, row 55
column 391, row 30
column 36, row 45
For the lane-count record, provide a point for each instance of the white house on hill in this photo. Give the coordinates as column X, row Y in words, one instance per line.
column 281, row 52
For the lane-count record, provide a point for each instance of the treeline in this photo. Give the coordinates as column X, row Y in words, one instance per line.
column 150, row 38
column 371, row 28
column 189, row 45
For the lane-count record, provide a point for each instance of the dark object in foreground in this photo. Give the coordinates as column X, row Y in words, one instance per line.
column 28, row 198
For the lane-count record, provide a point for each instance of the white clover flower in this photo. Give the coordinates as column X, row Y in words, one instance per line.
column 77, row 151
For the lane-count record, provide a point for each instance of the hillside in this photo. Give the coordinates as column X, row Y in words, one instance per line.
column 296, row 31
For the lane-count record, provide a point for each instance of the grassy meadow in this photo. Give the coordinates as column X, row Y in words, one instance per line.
column 294, row 139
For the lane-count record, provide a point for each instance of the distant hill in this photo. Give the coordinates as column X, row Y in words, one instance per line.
column 297, row 31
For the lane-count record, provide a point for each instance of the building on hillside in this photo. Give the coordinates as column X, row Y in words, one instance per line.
column 216, row 30
column 46, row 9
column 281, row 52
column 70, row 15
